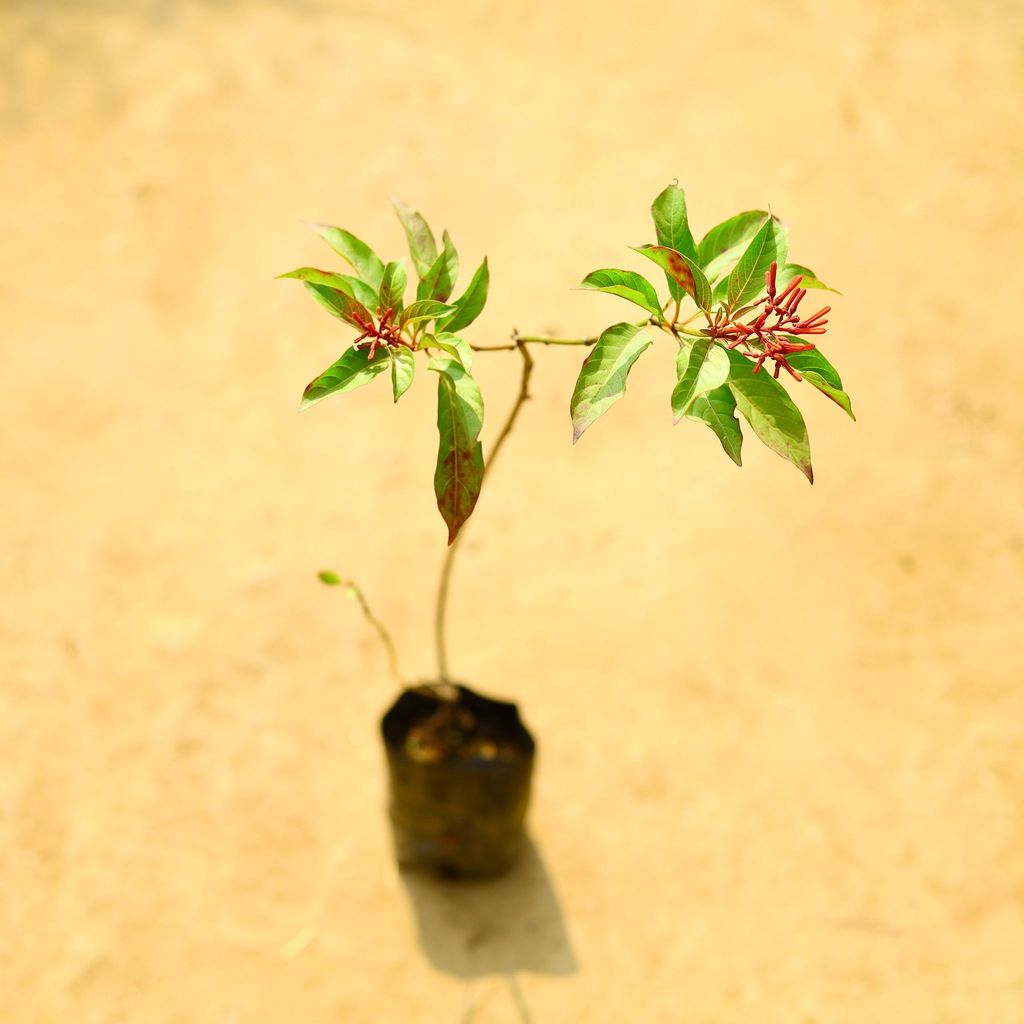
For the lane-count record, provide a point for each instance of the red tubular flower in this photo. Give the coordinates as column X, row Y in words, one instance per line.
column 764, row 340
column 384, row 333
column 790, row 288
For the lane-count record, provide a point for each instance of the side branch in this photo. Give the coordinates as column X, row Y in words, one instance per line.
column 356, row 592
column 521, row 399
column 519, row 341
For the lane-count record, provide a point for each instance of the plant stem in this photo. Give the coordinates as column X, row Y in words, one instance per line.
column 440, row 618
column 382, row 631
column 554, row 341
column 521, row 398
column 518, row 344
column 518, row 341
column 678, row 329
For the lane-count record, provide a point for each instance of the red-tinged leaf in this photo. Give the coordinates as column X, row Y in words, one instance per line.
column 681, row 269
column 353, row 286
column 460, row 460
column 339, row 304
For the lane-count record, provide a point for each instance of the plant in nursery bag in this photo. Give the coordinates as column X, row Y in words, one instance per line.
column 733, row 307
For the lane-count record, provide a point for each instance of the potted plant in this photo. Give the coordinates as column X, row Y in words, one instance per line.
column 460, row 764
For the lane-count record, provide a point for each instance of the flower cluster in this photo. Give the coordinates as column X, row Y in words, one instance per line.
column 385, row 332
column 762, row 340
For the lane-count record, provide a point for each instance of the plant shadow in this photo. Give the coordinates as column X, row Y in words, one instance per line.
column 471, row 929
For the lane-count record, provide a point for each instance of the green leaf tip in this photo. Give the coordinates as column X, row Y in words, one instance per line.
column 422, row 244
column 367, row 264
column 471, row 303
column 668, row 211
column 746, row 281
column 332, row 579
column 815, row 368
column 717, row 410
column 810, row 278
column 392, row 286
column 440, row 277
column 771, row 413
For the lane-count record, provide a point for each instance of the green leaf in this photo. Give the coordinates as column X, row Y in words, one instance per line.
column 368, row 265
column 820, row 373
column 602, row 379
column 471, row 303
column 718, row 410
column 770, row 411
column 352, row 286
column 670, row 223
column 440, row 278
column 718, row 269
column 680, row 268
column 452, row 262
column 424, row 309
column 452, row 344
column 332, row 579
column 457, row 346
column 734, row 233
column 403, row 369
column 422, row 246
column 392, row 286
column 810, row 279
column 701, row 369
column 746, row 281
column 351, row 371
column 340, row 304
column 672, row 228
column 627, row 285
column 460, row 460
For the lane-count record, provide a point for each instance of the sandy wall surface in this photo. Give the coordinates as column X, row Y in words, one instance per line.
column 782, row 728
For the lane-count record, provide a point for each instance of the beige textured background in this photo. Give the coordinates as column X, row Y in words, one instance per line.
column 782, row 774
